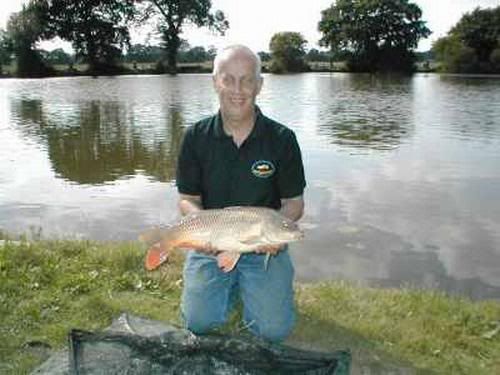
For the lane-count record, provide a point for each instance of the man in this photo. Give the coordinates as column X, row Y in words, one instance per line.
column 239, row 157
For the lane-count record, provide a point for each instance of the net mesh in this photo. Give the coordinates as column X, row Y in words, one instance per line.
column 133, row 345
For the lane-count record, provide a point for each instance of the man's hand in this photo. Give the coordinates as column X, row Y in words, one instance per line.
column 189, row 203
column 292, row 209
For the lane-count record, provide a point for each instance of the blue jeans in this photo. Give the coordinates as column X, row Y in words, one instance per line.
column 267, row 294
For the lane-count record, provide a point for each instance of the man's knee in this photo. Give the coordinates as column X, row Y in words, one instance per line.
column 204, row 302
column 200, row 322
column 272, row 329
column 200, row 315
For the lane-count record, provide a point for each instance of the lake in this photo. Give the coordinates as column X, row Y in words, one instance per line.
column 403, row 173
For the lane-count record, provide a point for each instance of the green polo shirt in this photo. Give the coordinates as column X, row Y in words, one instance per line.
column 267, row 167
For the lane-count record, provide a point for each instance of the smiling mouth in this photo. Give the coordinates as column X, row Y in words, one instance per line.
column 238, row 101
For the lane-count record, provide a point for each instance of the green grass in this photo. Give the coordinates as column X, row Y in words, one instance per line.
column 427, row 329
column 49, row 287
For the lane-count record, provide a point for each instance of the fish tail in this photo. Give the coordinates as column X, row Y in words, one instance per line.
column 156, row 256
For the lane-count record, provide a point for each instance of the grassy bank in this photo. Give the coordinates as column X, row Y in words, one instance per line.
column 49, row 287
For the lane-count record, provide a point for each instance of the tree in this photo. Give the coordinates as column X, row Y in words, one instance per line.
column 315, row 55
column 57, row 56
column 212, row 52
column 25, row 28
column 479, row 30
column 97, row 29
column 287, row 52
column 264, row 56
column 376, row 35
column 194, row 55
column 454, row 56
column 495, row 59
column 5, row 49
column 472, row 44
column 424, row 56
column 142, row 53
column 177, row 13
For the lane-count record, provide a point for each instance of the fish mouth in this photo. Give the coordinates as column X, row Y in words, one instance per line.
column 300, row 235
column 297, row 235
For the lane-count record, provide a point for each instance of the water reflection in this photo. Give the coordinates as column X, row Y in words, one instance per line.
column 467, row 107
column 98, row 143
column 368, row 112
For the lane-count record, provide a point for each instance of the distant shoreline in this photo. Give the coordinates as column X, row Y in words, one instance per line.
column 80, row 70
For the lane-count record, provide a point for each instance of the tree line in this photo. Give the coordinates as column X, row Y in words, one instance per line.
column 136, row 53
column 99, row 32
column 368, row 35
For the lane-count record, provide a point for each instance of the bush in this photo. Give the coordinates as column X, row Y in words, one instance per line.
column 495, row 60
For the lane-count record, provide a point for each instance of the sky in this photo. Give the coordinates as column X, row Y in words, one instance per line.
column 254, row 22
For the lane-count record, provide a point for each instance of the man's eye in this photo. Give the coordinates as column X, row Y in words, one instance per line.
column 248, row 82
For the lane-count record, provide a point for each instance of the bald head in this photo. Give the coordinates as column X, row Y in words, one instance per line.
column 236, row 51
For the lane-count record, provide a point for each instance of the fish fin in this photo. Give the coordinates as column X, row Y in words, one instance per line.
column 266, row 261
column 155, row 256
column 251, row 235
column 227, row 260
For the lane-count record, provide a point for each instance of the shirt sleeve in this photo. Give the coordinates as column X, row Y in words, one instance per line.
column 188, row 173
column 291, row 179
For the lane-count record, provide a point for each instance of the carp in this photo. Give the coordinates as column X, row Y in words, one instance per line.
column 228, row 231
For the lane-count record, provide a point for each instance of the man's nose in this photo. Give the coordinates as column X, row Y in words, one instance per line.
column 238, row 87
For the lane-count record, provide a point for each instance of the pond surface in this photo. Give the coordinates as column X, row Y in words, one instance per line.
column 403, row 173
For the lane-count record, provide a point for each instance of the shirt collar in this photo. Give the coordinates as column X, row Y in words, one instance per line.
column 256, row 131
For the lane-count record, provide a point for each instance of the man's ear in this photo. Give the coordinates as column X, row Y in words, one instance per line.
column 214, row 81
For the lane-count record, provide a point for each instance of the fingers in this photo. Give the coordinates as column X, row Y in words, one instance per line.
column 209, row 249
column 207, row 252
column 271, row 249
column 227, row 260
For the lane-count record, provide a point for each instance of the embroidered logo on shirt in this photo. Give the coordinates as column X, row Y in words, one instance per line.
column 263, row 169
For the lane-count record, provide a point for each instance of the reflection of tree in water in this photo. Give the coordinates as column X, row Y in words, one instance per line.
column 97, row 142
column 368, row 112
column 466, row 107
column 367, row 133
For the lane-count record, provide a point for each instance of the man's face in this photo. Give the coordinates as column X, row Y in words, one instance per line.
column 237, row 86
